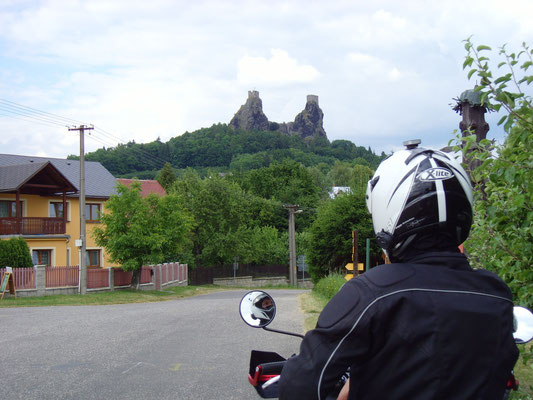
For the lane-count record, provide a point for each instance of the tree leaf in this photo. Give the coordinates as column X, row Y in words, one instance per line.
column 502, row 120
column 468, row 62
column 472, row 72
column 482, row 47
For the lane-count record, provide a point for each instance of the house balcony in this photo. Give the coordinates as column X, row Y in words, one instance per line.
column 32, row 226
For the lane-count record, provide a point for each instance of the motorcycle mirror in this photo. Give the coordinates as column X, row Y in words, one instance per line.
column 523, row 325
column 257, row 309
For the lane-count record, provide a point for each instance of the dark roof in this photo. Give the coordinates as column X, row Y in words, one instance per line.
column 147, row 186
column 99, row 183
column 34, row 178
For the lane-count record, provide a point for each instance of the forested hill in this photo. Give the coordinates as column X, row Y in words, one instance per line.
column 225, row 149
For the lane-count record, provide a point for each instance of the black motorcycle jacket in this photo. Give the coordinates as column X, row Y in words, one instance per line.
column 432, row 328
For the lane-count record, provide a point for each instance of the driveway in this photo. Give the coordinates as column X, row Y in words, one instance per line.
column 194, row 348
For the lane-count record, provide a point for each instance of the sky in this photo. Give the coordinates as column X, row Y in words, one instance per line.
column 385, row 71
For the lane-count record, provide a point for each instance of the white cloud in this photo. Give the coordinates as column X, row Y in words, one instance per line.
column 383, row 70
column 366, row 66
column 279, row 69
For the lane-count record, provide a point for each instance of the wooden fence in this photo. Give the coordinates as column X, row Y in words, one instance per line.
column 62, row 278
column 24, row 277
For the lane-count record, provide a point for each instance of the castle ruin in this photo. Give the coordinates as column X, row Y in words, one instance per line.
column 308, row 124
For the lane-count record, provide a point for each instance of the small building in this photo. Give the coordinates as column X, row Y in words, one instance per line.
column 147, row 186
column 39, row 201
column 335, row 190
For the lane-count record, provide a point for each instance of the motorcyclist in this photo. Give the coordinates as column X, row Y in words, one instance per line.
column 427, row 326
column 263, row 308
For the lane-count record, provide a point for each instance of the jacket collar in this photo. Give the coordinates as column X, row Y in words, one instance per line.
column 455, row 260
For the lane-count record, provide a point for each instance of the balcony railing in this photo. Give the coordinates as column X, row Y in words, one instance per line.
column 32, row 226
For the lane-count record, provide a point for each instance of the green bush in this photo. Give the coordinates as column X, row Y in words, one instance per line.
column 330, row 235
column 15, row 253
column 501, row 239
column 329, row 286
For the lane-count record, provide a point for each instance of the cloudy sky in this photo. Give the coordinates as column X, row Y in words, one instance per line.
column 384, row 71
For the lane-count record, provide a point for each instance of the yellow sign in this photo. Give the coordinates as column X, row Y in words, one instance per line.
column 360, row 267
column 349, row 267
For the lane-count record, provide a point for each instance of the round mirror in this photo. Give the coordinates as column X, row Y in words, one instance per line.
column 257, row 309
column 523, row 320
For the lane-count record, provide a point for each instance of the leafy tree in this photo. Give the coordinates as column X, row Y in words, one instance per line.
column 341, row 174
column 261, row 212
column 229, row 222
column 15, row 253
column 137, row 231
column 287, row 183
column 264, row 245
column 218, row 208
column 502, row 234
column 321, row 178
column 329, row 246
column 166, row 177
column 361, row 174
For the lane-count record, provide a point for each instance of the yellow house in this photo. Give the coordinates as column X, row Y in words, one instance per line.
column 39, row 201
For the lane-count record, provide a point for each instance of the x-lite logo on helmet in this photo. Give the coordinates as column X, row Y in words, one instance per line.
column 434, row 174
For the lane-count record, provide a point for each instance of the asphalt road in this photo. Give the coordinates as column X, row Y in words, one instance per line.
column 194, row 348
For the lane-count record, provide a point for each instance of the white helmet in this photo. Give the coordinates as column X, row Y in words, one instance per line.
column 418, row 191
column 261, row 312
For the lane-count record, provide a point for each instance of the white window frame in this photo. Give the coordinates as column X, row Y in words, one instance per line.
column 52, row 254
column 95, row 221
column 101, row 249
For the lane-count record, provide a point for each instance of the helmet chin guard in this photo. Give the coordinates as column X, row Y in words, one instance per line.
column 417, row 192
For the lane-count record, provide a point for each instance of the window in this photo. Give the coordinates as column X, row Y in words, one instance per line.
column 56, row 209
column 92, row 258
column 42, row 257
column 8, row 208
column 92, row 212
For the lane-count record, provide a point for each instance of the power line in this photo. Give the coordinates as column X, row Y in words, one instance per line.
column 39, row 114
column 31, row 120
column 29, row 114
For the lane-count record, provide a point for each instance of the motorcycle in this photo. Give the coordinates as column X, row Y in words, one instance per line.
column 258, row 309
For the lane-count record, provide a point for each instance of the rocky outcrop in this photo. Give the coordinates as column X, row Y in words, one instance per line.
column 250, row 116
column 308, row 124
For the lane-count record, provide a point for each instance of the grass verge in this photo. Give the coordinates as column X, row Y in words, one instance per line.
column 122, row 296
column 312, row 304
column 524, row 374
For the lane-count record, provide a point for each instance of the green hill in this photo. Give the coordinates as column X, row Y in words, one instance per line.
column 225, row 149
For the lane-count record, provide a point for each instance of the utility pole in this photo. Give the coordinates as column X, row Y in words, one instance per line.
column 293, row 209
column 83, row 265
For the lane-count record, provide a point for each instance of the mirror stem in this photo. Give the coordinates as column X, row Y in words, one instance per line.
column 283, row 332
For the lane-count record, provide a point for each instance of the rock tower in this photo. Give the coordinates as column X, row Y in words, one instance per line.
column 308, row 124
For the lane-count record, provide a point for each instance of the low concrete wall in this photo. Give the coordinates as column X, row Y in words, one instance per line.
column 306, row 284
column 46, row 292
column 74, row 289
column 237, row 281
column 248, row 281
